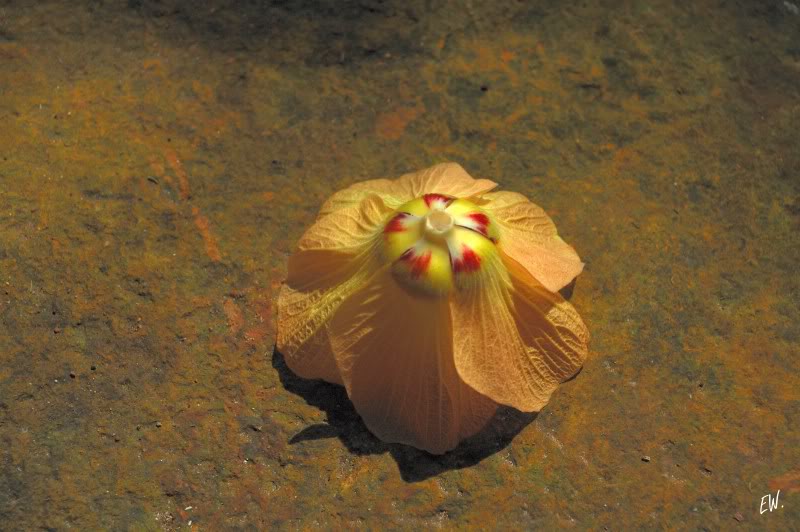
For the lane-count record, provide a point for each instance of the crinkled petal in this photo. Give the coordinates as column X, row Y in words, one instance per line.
column 395, row 354
column 529, row 236
column 318, row 282
column 445, row 178
column 347, row 229
column 351, row 196
column 334, row 258
column 513, row 340
column 549, row 324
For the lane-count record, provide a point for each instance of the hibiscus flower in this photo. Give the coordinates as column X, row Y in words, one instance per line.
column 432, row 300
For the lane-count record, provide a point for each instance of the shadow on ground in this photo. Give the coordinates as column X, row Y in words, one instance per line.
column 323, row 32
column 414, row 465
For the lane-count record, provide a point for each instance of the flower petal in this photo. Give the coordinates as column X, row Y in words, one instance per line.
column 357, row 192
column 513, row 340
column 529, row 236
column 549, row 323
column 318, row 282
column 395, row 354
column 334, row 258
column 347, row 229
column 445, row 178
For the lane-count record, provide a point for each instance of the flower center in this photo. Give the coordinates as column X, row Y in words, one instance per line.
column 438, row 223
column 438, row 243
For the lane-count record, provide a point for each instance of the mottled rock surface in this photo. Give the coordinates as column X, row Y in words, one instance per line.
column 159, row 159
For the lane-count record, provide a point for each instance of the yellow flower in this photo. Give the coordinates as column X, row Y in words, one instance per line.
column 432, row 300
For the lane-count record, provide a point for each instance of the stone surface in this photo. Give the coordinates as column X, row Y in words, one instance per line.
column 159, row 159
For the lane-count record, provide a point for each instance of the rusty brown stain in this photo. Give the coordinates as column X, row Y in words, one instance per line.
column 209, row 241
column 790, row 482
column 234, row 315
column 263, row 324
column 154, row 65
column 13, row 50
column 516, row 114
column 392, row 125
column 177, row 167
column 203, row 91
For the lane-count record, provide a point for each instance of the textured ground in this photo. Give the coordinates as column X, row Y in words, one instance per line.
column 159, row 159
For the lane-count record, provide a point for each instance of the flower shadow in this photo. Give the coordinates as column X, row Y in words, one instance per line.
column 414, row 465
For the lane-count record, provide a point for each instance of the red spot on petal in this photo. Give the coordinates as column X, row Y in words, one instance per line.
column 481, row 222
column 395, row 225
column 417, row 264
column 468, row 262
column 430, row 199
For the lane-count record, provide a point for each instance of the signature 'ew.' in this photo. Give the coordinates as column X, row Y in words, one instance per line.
column 770, row 502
